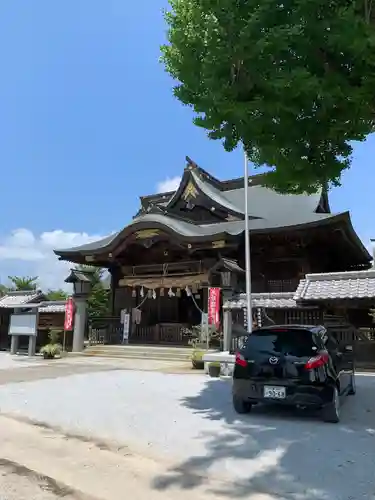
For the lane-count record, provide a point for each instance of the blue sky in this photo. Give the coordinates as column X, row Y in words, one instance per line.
column 88, row 123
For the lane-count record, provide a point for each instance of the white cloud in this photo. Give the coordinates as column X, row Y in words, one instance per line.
column 169, row 184
column 23, row 253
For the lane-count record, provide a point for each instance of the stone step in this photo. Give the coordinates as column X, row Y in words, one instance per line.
column 141, row 349
column 150, row 358
column 139, row 352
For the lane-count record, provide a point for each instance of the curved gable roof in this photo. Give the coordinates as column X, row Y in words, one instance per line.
column 268, row 211
column 206, row 232
column 215, row 194
column 263, row 201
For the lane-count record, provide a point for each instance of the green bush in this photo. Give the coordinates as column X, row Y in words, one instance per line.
column 53, row 348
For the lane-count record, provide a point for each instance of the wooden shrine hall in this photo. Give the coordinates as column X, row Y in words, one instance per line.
column 177, row 245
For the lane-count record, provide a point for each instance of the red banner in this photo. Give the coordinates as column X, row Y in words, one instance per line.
column 214, row 306
column 69, row 314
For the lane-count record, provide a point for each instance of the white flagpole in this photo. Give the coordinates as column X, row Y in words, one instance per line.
column 247, row 248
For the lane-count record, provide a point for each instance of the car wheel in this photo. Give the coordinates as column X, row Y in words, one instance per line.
column 240, row 406
column 331, row 412
column 353, row 388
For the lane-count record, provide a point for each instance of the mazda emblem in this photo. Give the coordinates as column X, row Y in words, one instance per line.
column 273, row 360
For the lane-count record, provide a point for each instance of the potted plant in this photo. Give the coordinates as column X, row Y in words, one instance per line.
column 200, row 345
column 197, row 358
column 53, row 348
column 214, row 369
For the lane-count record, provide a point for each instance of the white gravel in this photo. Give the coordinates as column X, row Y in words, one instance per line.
column 189, row 420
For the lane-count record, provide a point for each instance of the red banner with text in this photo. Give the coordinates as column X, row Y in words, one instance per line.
column 69, row 314
column 214, row 306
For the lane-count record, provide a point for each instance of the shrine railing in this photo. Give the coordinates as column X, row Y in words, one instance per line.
column 163, row 333
column 106, row 330
column 364, row 348
column 110, row 331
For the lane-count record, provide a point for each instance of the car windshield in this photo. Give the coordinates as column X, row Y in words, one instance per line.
column 292, row 342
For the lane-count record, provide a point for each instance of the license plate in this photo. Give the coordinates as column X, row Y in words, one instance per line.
column 274, row 392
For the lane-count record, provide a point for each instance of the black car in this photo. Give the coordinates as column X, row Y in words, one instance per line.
column 297, row 365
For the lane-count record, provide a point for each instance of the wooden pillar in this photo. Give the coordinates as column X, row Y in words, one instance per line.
column 114, row 273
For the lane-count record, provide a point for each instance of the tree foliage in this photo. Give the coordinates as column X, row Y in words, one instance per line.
column 58, row 294
column 292, row 80
column 24, row 282
column 98, row 301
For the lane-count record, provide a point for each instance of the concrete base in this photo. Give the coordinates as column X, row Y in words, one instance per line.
column 14, row 344
column 79, row 324
column 225, row 359
column 32, row 346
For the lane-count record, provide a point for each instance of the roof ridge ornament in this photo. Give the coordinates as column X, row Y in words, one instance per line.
column 190, row 164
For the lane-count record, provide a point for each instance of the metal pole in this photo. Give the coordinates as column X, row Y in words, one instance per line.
column 247, row 248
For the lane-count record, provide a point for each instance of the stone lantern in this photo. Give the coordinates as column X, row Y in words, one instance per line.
column 228, row 272
column 82, row 286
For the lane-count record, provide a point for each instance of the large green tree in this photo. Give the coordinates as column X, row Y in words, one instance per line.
column 293, row 81
column 24, row 282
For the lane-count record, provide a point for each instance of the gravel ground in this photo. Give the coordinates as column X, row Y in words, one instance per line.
column 189, row 422
column 8, row 362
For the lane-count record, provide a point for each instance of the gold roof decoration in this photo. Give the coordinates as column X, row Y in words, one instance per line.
column 218, row 244
column 232, row 218
column 190, row 191
column 146, row 233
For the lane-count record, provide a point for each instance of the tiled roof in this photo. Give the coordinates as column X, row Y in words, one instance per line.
column 205, row 231
column 17, row 298
column 48, row 306
column 345, row 285
column 267, row 300
column 53, row 306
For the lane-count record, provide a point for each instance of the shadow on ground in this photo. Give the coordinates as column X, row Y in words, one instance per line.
column 279, row 452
